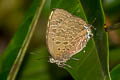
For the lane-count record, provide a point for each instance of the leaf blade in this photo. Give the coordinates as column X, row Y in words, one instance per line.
column 19, row 43
column 79, row 10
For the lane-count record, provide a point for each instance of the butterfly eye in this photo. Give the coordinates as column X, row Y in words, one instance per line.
column 91, row 35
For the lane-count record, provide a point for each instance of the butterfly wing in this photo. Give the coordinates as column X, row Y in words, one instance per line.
column 56, row 17
column 66, row 34
column 74, row 36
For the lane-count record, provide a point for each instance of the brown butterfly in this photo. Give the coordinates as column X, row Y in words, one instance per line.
column 66, row 36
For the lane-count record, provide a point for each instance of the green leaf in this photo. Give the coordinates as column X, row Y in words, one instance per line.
column 34, row 69
column 14, row 54
column 115, row 73
column 114, row 57
column 93, row 64
column 112, row 7
column 94, row 10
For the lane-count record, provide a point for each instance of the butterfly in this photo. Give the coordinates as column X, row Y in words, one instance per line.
column 66, row 35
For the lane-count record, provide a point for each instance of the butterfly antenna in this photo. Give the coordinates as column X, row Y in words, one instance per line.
column 93, row 21
column 91, row 25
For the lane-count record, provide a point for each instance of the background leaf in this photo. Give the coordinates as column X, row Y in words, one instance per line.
column 115, row 64
column 115, row 73
column 93, row 10
column 15, row 52
column 114, row 57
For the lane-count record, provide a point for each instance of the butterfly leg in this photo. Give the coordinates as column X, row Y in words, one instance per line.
column 68, row 66
column 74, row 59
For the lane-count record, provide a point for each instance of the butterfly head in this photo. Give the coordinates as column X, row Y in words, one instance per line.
column 89, row 32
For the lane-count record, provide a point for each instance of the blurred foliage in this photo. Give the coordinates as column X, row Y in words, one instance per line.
column 114, row 57
column 111, row 8
column 112, row 12
column 115, row 73
column 11, row 15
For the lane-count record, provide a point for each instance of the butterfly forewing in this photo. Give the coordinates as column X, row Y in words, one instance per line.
column 56, row 18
